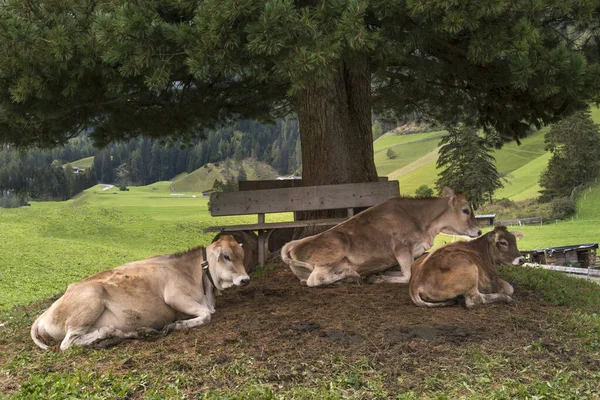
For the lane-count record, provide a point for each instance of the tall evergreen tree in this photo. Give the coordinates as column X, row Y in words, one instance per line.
column 121, row 69
column 575, row 158
column 468, row 165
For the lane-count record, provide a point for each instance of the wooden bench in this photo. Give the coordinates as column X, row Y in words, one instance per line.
column 295, row 199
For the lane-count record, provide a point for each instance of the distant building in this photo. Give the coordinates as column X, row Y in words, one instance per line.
column 206, row 193
column 485, row 219
column 579, row 255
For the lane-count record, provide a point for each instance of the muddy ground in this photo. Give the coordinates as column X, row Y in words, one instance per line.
column 282, row 332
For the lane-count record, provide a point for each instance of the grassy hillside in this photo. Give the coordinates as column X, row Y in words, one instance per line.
column 392, row 139
column 513, row 156
column 83, row 163
column 419, row 172
column 521, row 165
column 203, row 178
column 405, row 154
column 523, row 182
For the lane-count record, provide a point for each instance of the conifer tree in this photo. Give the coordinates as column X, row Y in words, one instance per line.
column 121, row 69
column 468, row 165
column 575, row 159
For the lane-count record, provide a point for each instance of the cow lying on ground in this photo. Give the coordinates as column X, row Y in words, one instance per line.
column 466, row 269
column 389, row 233
column 138, row 299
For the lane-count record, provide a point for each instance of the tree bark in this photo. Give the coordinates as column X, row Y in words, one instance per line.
column 335, row 132
column 335, row 128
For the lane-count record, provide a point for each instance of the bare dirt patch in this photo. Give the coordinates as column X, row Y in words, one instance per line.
column 277, row 331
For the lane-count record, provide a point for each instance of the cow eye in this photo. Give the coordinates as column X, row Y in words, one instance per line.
column 226, row 257
column 466, row 211
column 503, row 243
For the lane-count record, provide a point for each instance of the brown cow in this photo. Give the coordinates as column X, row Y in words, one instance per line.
column 466, row 269
column 137, row 299
column 389, row 233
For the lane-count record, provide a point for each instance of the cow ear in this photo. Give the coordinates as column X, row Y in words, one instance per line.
column 449, row 193
column 518, row 235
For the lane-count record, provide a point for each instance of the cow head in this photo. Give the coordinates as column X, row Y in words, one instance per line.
column 459, row 219
column 226, row 263
column 504, row 246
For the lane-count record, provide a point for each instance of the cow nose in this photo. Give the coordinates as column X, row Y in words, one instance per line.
column 521, row 260
column 245, row 281
column 478, row 232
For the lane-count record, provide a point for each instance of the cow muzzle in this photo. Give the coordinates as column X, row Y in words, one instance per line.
column 519, row 261
column 242, row 281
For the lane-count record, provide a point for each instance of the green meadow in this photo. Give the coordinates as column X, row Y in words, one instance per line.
column 83, row 163
column 203, row 178
column 51, row 244
column 46, row 246
column 390, row 139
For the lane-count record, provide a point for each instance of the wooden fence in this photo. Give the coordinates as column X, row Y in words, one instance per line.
column 520, row 221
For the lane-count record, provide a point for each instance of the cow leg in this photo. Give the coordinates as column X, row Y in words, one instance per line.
column 505, row 287
column 100, row 338
column 189, row 306
column 301, row 272
column 326, row 275
column 481, row 298
column 405, row 260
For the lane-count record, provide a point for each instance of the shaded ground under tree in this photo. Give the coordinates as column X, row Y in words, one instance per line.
column 358, row 341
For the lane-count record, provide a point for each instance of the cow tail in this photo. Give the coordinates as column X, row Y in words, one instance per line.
column 285, row 257
column 415, row 295
column 35, row 336
column 285, row 253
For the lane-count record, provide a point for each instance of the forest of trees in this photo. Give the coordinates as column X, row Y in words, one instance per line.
column 150, row 160
column 42, row 174
column 39, row 174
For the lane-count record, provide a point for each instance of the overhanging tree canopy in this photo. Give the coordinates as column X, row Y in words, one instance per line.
column 171, row 68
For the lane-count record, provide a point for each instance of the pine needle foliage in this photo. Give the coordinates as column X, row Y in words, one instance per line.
column 468, row 165
column 575, row 158
column 171, row 68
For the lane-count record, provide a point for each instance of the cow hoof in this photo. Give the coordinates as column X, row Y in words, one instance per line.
column 303, row 282
column 106, row 343
column 512, row 302
column 167, row 330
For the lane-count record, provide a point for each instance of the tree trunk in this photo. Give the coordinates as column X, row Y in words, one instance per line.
column 335, row 131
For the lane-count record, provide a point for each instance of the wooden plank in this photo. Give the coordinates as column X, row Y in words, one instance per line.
column 269, row 184
column 278, row 183
column 308, row 198
column 276, row 225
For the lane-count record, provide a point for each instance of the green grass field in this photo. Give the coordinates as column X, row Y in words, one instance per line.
column 390, row 139
column 521, row 164
column 405, row 155
column 83, row 163
column 523, row 182
column 50, row 244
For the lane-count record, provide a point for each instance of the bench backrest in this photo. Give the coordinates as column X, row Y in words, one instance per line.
column 265, row 184
column 307, row 198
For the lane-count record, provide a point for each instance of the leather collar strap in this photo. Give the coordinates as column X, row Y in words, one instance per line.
column 205, row 268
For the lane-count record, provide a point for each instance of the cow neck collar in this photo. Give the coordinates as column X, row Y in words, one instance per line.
column 205, row 267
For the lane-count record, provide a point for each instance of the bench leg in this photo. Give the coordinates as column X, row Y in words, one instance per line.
column 261, row 248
